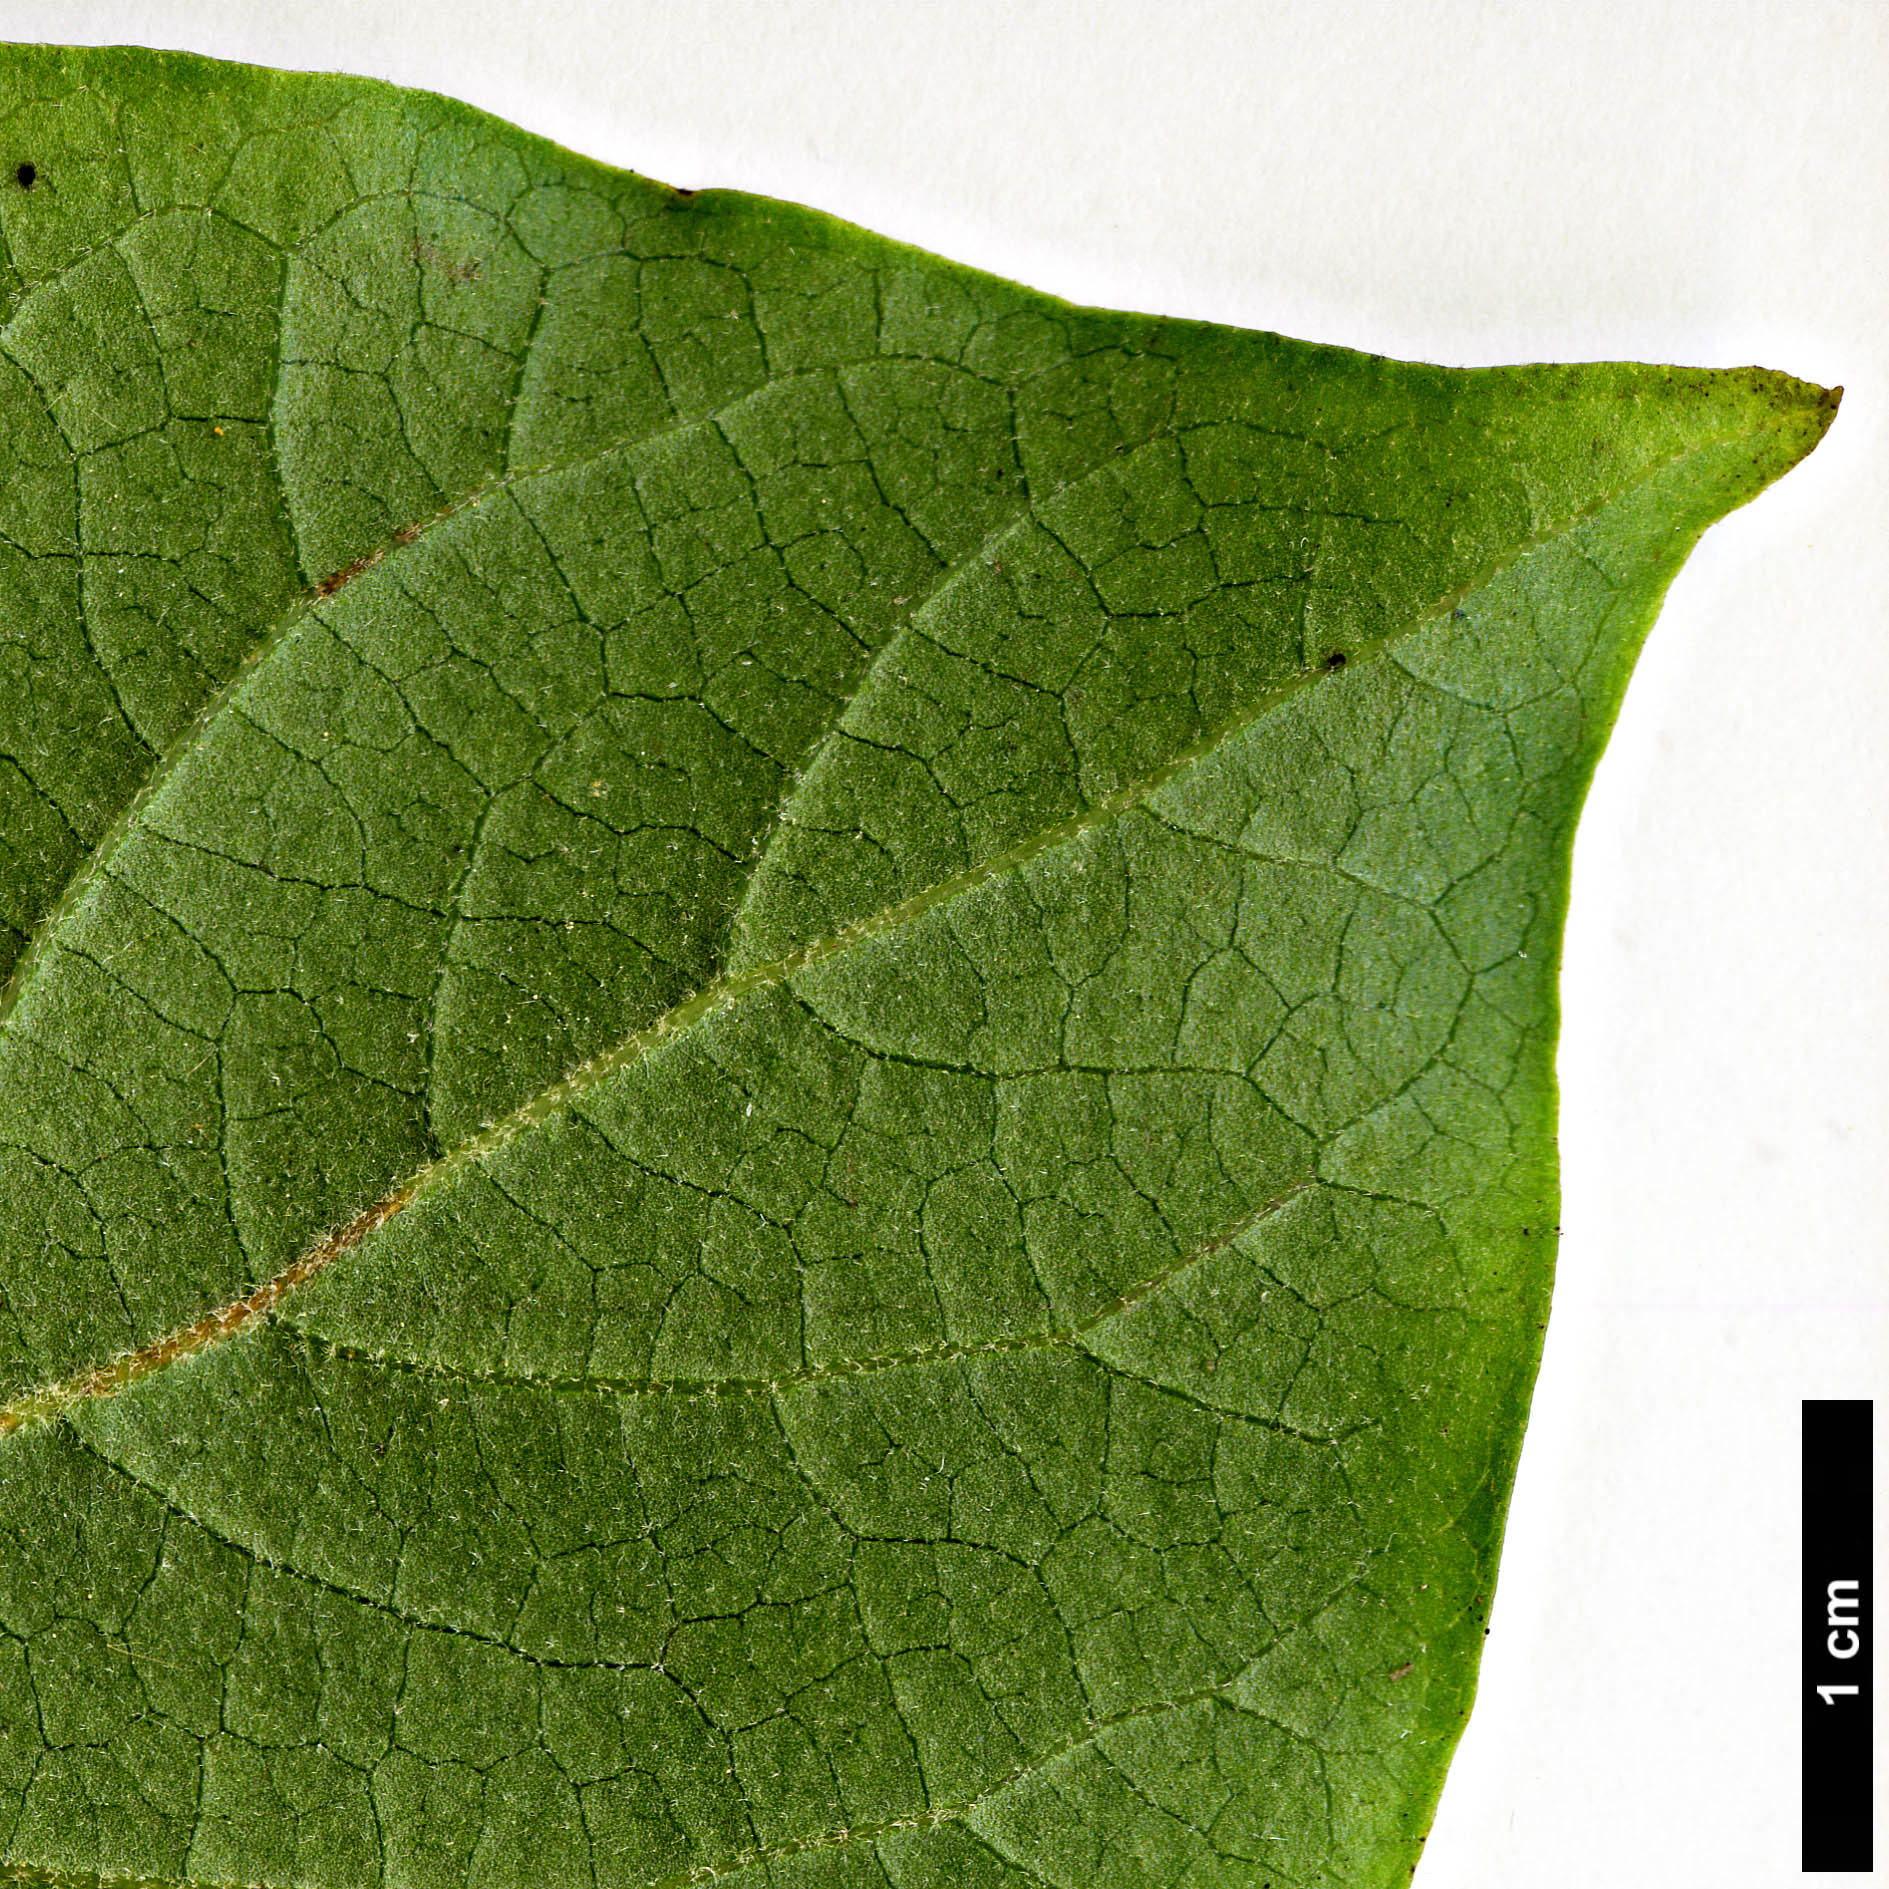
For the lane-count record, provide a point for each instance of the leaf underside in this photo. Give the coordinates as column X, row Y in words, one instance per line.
column 776, row 1087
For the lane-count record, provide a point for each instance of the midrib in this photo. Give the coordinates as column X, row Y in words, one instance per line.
column 721, row 993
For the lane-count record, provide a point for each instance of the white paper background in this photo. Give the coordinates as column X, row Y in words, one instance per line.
column 1466, row 183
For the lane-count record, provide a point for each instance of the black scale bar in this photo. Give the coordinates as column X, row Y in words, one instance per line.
column 1839, row 1635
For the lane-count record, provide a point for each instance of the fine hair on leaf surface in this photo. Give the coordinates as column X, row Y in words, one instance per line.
column 777, row 1055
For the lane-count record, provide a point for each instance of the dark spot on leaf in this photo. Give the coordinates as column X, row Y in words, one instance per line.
column 27, row 175
column 1336, row 660
column 458, row 270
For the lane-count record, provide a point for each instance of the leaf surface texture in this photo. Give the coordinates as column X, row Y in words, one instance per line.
column 776, row 1082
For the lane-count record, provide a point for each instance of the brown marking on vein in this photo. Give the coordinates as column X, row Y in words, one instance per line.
column 226, row 1322
column 327, row 586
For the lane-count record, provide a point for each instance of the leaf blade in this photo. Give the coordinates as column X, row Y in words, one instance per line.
column 1222, row 1136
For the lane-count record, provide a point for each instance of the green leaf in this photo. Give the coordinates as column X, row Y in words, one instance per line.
column 776, row 1088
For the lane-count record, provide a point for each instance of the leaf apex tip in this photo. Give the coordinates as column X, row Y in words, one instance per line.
column 1794, row 413
column 1819, row 410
